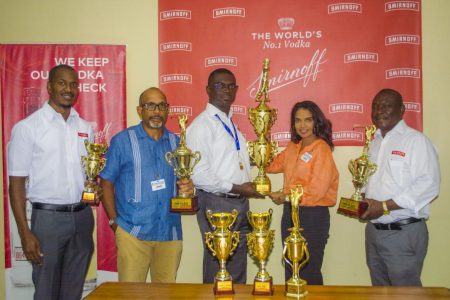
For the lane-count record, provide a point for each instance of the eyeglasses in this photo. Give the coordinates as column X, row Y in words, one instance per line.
column 150, row 106
column 220, row 86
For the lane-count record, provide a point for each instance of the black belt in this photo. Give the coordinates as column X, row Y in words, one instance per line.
column 396, row 225
column 60, row 207
column 224, row 195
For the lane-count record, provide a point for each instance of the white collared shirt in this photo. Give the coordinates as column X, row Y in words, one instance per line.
column 219, row 166
column 48, row 151
column 407, row 172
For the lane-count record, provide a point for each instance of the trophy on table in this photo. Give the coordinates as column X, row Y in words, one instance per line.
column 295, row 251
column 260, row 243
column 93, row 164
column 360, row 168
column 262, row 118
column 183, row 161
column 222, row 243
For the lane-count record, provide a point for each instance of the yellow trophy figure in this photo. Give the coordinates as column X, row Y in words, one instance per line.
column 183, row 161
column 262, row 118
column 295, row 251
column 222, row 243
column 260, row 243
column 361, row 169
column 93, row 164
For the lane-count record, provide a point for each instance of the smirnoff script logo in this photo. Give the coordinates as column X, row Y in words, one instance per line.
column 305, row 73
column 175, row 14
column 402, row 39
column 344, row 8
column 229, row 12
column 412, row 106
column 178, row 110
column 402, row 5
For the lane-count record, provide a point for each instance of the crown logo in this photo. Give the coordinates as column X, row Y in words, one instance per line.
column 286, row 23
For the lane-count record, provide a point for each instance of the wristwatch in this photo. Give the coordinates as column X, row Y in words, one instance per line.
column 111, row 222
column 385, row 208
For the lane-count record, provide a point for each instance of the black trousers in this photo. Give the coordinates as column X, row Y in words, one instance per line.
column 315, row 221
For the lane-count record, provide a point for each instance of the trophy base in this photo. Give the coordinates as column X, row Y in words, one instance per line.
column 352, row 208
column 223, row 287
column 88, row 197
column 296, row 290
column 263, row 287
column 187, row 205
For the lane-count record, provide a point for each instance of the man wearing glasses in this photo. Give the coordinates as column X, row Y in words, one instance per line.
column 222, row 177
column 137, row 185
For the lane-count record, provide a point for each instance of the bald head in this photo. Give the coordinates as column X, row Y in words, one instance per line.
column 152, row 92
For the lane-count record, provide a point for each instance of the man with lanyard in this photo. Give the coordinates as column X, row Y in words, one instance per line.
column 222, row 175
column 137, row 185
column 44, row 167
column 399, row 195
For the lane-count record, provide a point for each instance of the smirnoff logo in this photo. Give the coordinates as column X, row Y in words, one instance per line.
column 220, row 60
column 239, row 110
column 281, row 136
column 286, row 23
column 229, row 12
column 178, row 110
column 402, row 72
column 402, row 39
column 346, row 107
column 360, row 56
column 402, row 5
column 344, row 8
column 175, row 14
column 19, row 255
column 347, row 136
column 304, row 73
column 412, row 106
column 175, row 46
column 169, row 78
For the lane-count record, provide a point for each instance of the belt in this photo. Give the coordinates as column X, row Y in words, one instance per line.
column 396, row 225
column 60, row 207
column 224, row 195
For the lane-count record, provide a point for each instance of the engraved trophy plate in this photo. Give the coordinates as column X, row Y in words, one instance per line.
column 93, row 164
column 222, row 243
column 183, row 161
column 361, row 169
column 262, row 119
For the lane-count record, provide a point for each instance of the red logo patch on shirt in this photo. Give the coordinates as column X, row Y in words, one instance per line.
column 83, row 134
column 396, row 152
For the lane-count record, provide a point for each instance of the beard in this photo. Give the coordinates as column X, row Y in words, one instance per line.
column 155, row 123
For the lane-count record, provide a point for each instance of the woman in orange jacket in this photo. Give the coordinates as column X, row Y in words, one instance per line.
column 307, row 160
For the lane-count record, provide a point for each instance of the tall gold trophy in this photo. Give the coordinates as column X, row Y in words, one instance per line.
column 183, row 161
column 262, row 118
column 295, row 251
column 93, row 164
column 360, row 168
column 222, row 243
column 260, row 243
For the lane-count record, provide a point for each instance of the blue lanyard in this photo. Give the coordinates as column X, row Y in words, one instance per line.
column 235, row 136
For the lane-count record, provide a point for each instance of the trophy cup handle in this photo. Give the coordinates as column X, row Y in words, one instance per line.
column 234, row 241
column 250, row 242
column 209, row 218
column 234, row 213
column 196, row 156
column 209, row 237
column 305, row 250
column 250, row 221
column 169, row 156
column 285, row 259
column 351, row 168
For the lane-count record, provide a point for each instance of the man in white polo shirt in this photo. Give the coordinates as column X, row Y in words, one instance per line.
column 44, row 168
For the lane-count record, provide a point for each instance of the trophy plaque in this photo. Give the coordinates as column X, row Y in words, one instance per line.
column 183, row 160
column 222, row 243
column 93, row 164
column 262, row 118
column 360, row 168
column 260, row 243
column 295, row 251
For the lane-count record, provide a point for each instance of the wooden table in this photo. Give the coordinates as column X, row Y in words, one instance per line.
column 137, row 291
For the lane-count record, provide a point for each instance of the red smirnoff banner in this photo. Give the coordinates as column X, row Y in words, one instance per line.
column 338, row 54
column 24, row 71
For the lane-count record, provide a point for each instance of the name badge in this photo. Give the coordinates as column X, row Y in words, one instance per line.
column 306, row 157
column 159, row 184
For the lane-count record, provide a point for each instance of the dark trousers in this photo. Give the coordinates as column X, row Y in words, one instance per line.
column 237, row 263
column 66, row 242
column 315, row 221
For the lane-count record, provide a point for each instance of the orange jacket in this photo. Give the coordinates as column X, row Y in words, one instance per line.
column 313, row 167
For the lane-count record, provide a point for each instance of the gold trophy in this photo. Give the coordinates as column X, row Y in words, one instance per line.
column 260, row 243
column 262, row 118
column 183, row 160
column 93, row 164
column 360, row 168
column 222, row 243
column 295, row 251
